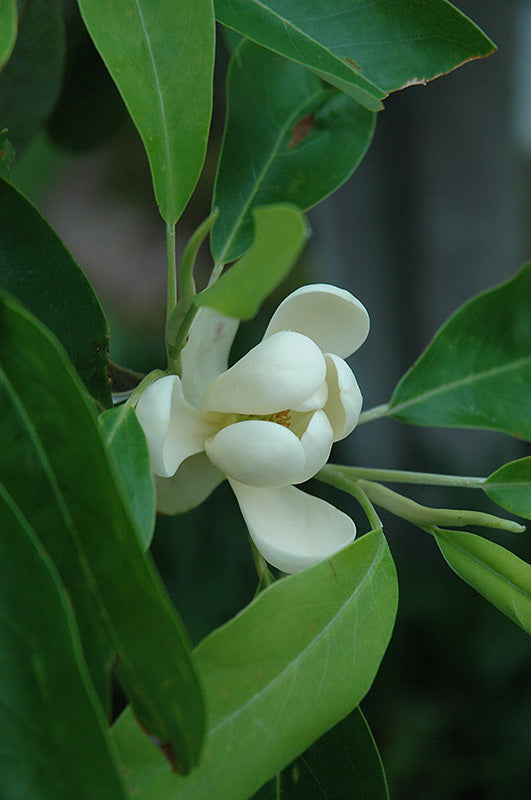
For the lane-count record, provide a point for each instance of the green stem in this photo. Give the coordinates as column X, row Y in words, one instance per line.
column 374, row 413
column 175, row 349
column 179, row 321
column 408, row 509
column 265, row 576
column 347, row 484
column 370, row 512
column 186, row 269
column 171, row 273
column 423, row 516
column 400, row 476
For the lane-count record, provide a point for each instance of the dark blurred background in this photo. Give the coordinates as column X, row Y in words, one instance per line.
column 438, row 211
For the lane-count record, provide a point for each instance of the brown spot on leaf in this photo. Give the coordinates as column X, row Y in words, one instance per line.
column 301, row 130
column 353, row 63
column 169, row 753
column 166, row 748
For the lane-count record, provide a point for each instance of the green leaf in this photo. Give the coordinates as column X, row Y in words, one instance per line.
column 7, row 155
column 8, row 29
column 160, row 53
column 343, row 763
column 289, row 667
column 288, row 139
column 127, row 445
column 39, row 271
column 90, row 110
column 55, row 742
column 510, row 487
column 476, row 372
column 280, row 234
column 497, row 574
column 365, row 47
column 31, row 80
column 55, row 467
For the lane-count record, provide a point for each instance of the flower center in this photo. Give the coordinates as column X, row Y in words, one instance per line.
column 280, row 417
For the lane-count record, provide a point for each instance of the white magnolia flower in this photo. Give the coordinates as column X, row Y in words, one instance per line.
column 266, row 423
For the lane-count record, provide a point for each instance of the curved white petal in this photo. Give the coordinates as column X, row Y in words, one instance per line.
column 276, row 375
column 173, row 428
column 292, row 529
column 316, row 442
column 332, row 317
column 344, row 397
column 193, row 482
column 153, row 411
column 315, row 400
column 257, row 453
column 206, row 353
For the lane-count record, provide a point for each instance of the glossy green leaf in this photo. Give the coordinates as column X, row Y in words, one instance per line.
column 344, row 763
column 31, row 80
column 40, row 272
column 288, row 139
column 279, row 675
column 160, row 54
column 127, row 445
column 510, row 487
column 496, row 573
column 365, row 47
column 280, row 234
column 476, row 372
column 55, row 741
column 54, row 465
column 8, row 29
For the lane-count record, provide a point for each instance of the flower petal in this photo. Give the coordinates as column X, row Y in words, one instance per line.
column 206, row 353
column 316, row 442
column 335, row 319
column 344, row 397
column 173, row 428
column 258, row 453
column 276, row 375
column 193, row 482
column 315, row 400
column 292, row 529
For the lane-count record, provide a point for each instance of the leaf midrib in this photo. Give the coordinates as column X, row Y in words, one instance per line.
column 291, row 664
column 359, row 80
column 265, row 169
column 477, row 560
column 169, row 171
column 448, row 387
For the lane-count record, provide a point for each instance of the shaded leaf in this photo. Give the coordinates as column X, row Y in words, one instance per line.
column 31, row 80
column 510, row 487
column 38, row 270
column 280, row 234
column 279, row 675
column 8, row 29
column 343, row 763
column 476, row 372
column 55, row 741
column 162, row 62
column 90, row 110
column 126, row 442
column 51, row 443
column 496, row 573
column 7, row 155
column 287, row 139
column 368, row 48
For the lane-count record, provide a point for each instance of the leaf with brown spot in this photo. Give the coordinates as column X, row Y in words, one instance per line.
column 301, row 130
